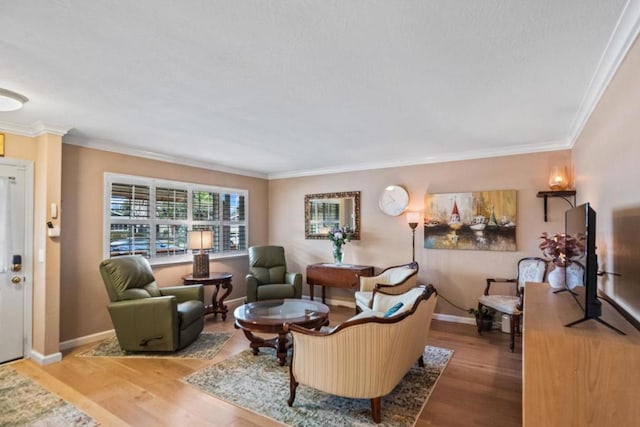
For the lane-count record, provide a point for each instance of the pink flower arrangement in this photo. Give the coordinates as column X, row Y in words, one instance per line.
column 561, row 249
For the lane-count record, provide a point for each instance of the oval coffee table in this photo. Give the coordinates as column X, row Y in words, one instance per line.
column 270, row 316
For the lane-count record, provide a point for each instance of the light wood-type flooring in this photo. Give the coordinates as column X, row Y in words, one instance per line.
column 481, row 386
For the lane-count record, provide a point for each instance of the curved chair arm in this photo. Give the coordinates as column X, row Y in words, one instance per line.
column 252, row 287
column 400, row 288
column 500, row 280
column 294, row 279
column 185, row 293
column 140, row 323
column 368, row 284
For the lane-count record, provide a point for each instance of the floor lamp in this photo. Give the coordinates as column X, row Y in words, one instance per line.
column 200, row 240
column 413, row 218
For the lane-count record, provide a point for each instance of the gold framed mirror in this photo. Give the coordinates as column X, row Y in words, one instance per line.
column 325, row 211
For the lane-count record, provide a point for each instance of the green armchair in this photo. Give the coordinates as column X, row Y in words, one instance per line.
column 268, row 277
column 146, row 317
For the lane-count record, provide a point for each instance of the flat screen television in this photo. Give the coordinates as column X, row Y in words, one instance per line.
column 580, row 223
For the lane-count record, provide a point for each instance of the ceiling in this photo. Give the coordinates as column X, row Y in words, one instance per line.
column 290, row 88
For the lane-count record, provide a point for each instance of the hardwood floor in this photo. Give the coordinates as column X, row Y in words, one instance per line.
column 482, row 385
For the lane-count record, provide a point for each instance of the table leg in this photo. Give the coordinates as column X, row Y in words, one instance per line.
column 324, row 289
column 214, row 301
column 221, row 306
column 311, row 291
column 282, row 342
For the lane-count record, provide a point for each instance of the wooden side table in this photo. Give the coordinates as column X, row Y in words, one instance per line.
column 218, row 280
column 336, row 276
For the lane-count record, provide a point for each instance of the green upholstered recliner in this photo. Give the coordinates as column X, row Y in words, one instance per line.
column 146, row 317
column 268, row 277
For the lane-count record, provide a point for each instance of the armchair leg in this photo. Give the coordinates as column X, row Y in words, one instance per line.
column 376, row 410
column 513, row 332
column 480, row 318
column 292, row 390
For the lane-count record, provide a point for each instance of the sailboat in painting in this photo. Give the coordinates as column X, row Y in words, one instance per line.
column 454, row 221
column 479, row 222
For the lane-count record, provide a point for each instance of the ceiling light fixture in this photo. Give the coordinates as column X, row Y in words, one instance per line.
column 11, row 101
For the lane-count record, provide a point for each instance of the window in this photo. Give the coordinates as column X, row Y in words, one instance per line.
column 151, row 217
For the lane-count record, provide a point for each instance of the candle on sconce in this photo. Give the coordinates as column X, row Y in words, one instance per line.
column 558, row 178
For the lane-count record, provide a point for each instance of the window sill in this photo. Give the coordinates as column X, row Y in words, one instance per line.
column 187, row 259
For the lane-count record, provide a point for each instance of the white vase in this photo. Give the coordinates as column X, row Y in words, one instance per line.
column 556, row 277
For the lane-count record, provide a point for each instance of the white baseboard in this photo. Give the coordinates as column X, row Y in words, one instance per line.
column 43, row 360
column 66, row 345
column 455, row 319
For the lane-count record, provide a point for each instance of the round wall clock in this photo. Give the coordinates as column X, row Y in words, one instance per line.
column 394, row 200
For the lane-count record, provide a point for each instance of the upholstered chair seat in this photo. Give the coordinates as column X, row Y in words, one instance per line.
column 268, row 277
column 145, row 316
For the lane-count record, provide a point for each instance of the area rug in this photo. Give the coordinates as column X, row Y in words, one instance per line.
column 23, row 402
column 259, row 384
column 206, row 346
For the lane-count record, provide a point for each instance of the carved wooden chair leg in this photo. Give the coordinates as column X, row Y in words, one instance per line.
column 376, row 411
column 480, row 318
column 512, row 329
column 292, row 390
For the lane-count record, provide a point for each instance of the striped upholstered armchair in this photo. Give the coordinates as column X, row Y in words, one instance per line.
column 393, row 280
column 340, row 361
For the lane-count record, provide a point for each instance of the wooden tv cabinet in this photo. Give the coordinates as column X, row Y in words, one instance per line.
column 586, row 375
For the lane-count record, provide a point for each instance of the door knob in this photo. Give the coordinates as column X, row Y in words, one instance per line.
column 15, row 280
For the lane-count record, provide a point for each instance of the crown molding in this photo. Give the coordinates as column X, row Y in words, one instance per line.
column 35, row 129
column 467, row 155
column 170, row 158
column 621, row 40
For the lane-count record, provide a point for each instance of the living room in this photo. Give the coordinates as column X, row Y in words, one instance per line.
column 69, row 300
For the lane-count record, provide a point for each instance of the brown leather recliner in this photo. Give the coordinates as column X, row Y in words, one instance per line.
column 146, row 317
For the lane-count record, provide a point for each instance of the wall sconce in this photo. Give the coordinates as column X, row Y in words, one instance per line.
column 200, row 240
column 413, row 219
column 558, row 178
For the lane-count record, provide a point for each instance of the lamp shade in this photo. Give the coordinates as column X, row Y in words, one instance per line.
column 200, row 239
column 413, row 217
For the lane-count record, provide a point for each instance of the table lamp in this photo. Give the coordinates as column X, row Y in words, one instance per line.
column 200, row 240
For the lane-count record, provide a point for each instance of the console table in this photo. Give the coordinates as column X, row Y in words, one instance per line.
column 336, row 276
column 586, row 375
column 218, row 280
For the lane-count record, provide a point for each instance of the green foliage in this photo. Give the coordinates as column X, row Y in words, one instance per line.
column 486, row 312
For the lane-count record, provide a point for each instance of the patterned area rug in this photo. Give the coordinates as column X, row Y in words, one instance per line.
column 259, row 384
column 25, row 403
column 206, row 346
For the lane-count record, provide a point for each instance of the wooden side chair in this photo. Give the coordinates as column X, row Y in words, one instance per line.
column 531, row 269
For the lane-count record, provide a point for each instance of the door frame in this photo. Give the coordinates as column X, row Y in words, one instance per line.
column 27, row 265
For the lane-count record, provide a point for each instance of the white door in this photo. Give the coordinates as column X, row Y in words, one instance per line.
column 12, row 277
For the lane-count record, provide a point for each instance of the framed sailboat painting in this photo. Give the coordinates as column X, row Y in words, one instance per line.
column 478, row 220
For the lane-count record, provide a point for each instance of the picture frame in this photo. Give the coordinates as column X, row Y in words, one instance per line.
column 476, row 220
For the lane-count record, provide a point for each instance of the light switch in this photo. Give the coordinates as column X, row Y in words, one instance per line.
column 54, row 211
